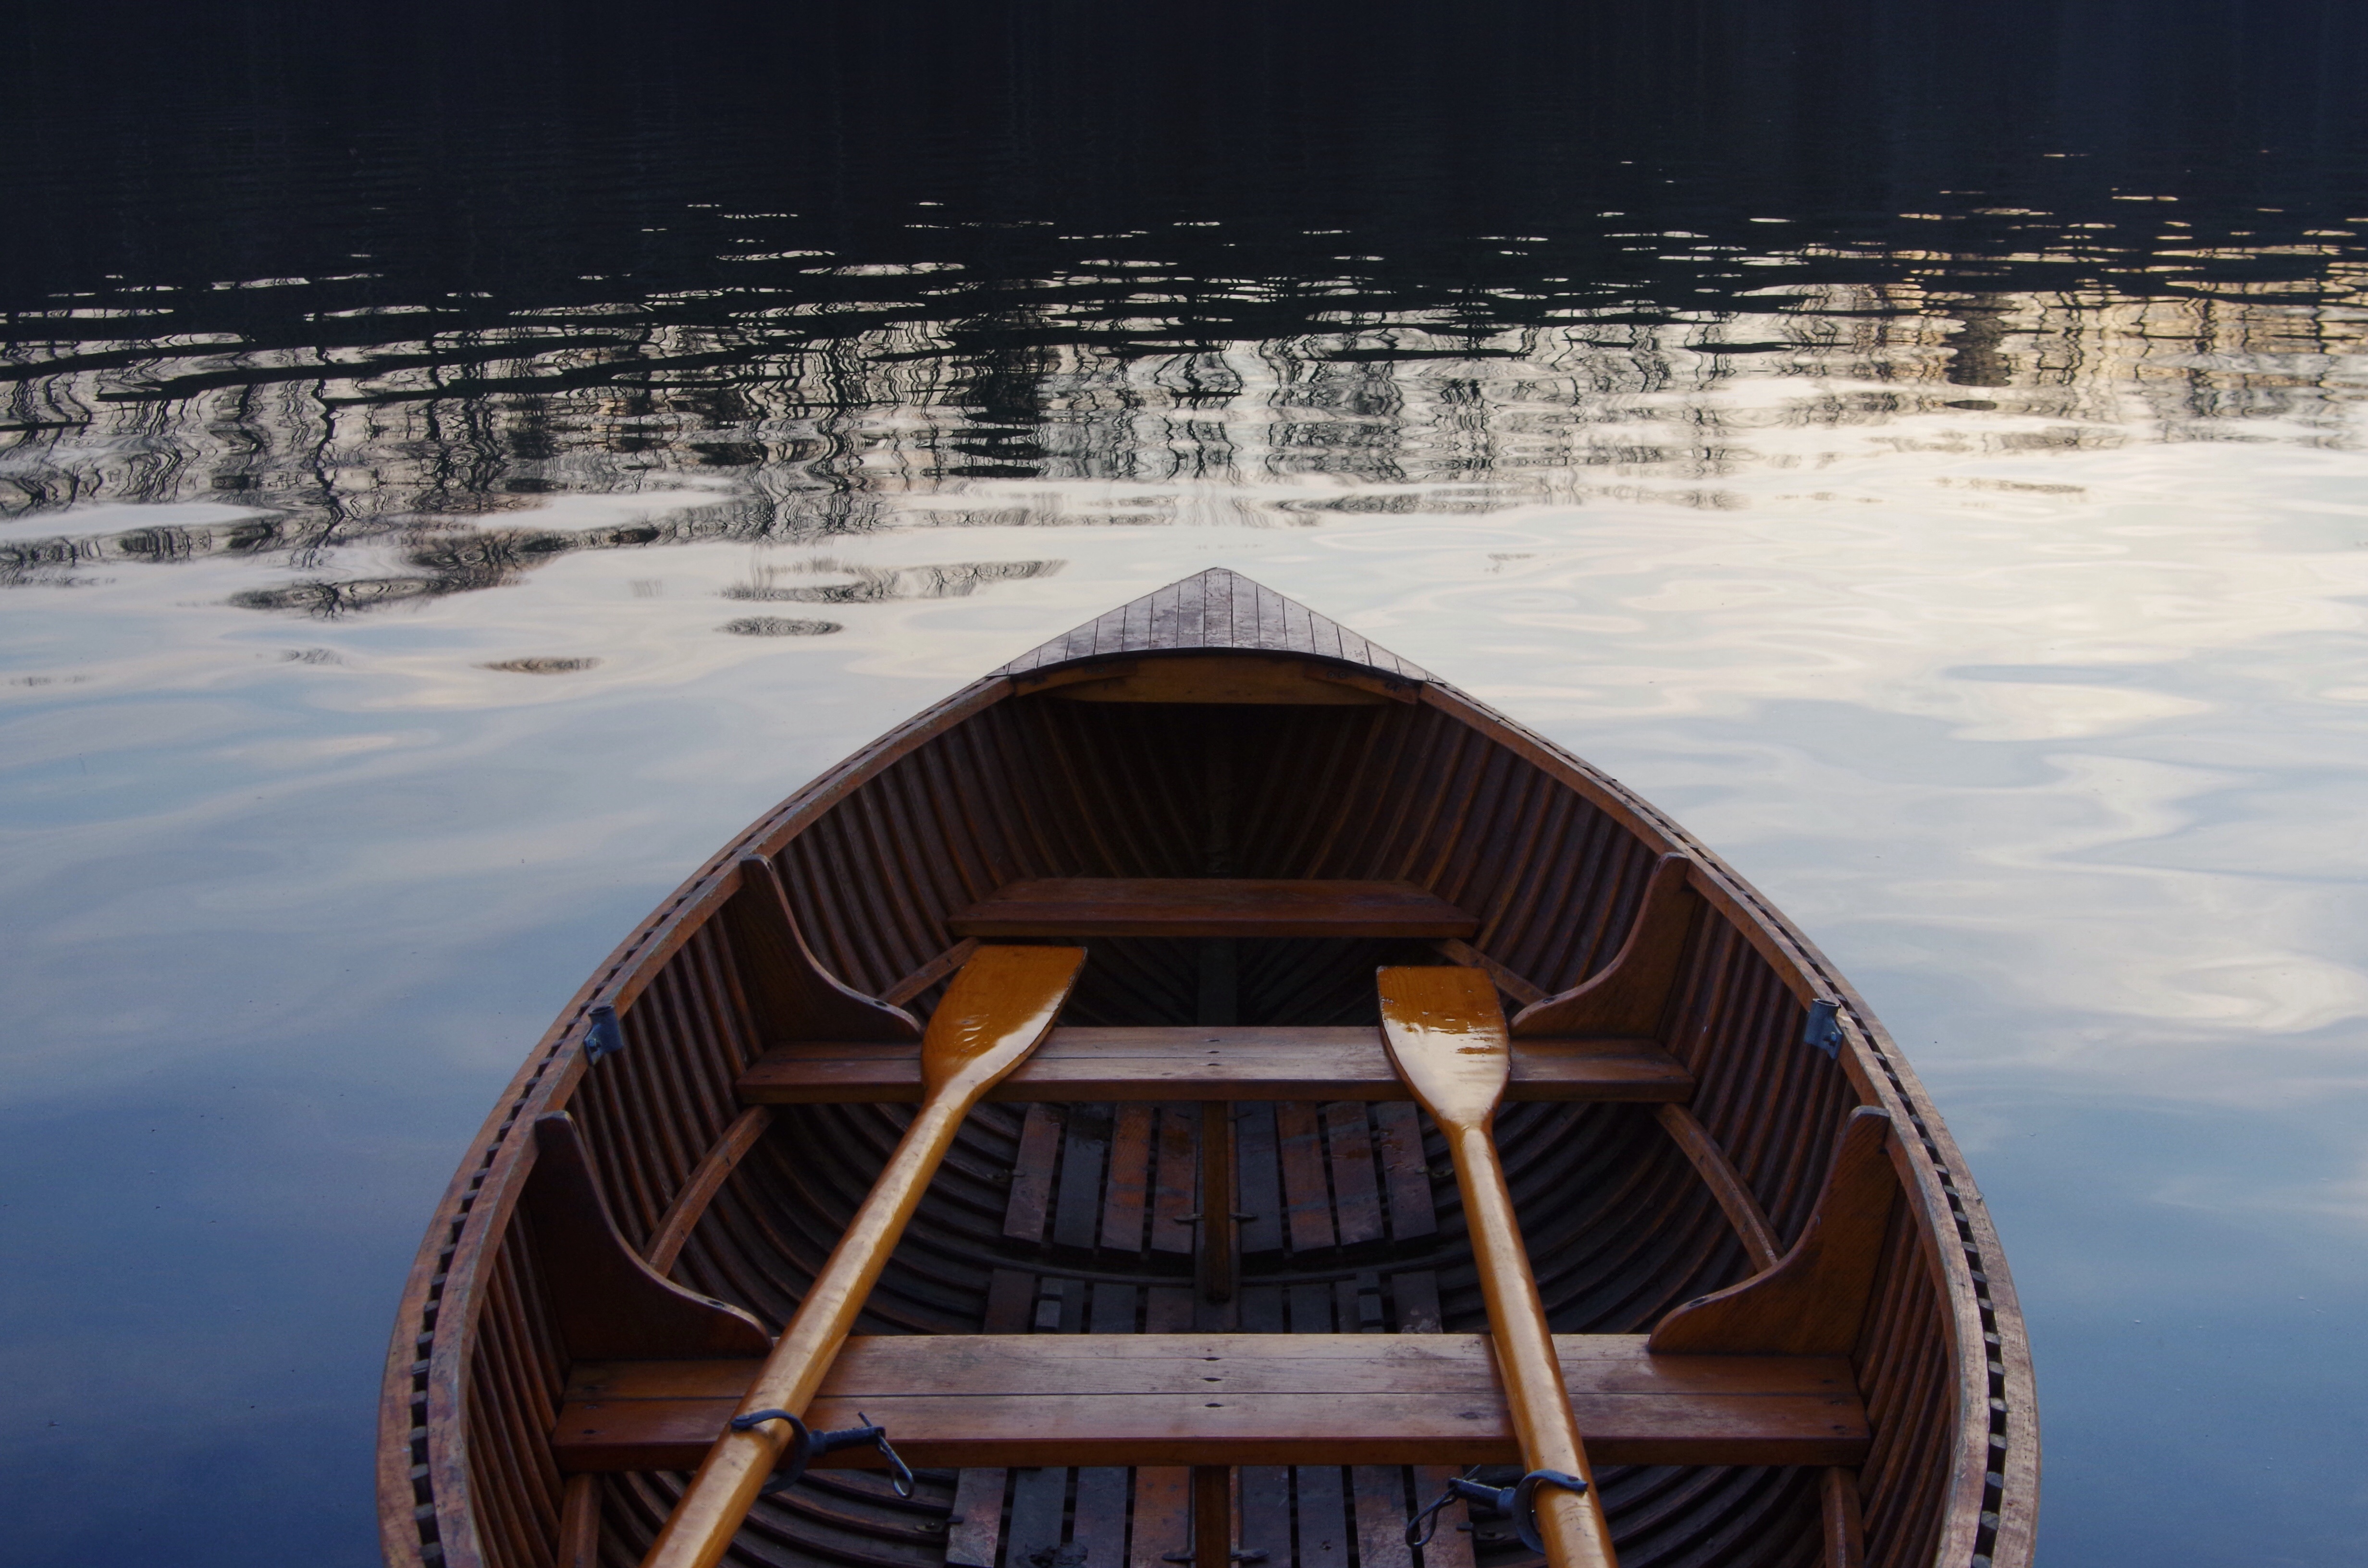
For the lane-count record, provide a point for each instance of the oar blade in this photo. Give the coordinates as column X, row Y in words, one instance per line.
column 998, row 1008
column 1446, row 1035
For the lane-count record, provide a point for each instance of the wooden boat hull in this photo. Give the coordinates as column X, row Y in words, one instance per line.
column 1208, row 736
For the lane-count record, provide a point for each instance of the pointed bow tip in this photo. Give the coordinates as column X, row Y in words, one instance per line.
column 1215, row 609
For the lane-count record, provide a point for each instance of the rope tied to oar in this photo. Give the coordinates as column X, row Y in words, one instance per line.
column 1518, row 1502
column 806, row 1445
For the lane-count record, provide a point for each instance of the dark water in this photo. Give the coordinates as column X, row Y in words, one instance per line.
column 458, row 465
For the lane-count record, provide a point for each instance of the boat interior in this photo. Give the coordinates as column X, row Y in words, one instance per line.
column 1204, row 1225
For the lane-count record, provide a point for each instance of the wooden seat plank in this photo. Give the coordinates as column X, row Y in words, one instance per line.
column 1171, row 1399
column 1203, row 1061
column 1208, row 907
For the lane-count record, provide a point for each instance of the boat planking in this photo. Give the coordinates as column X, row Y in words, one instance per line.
column 1193, row 1282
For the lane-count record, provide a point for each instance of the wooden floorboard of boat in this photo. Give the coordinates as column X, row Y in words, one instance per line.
column 1205, row 1062
column 1171, row 1399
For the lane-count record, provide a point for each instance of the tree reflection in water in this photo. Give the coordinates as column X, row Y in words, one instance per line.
column 1364, row 409
column 863, row 269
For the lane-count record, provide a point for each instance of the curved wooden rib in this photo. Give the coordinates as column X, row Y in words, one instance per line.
column 1631, row 994
column 1447, row 1036
column 1000, row 1005
column 608, row 1304
column 579, row 1524
column 699, row 1188
column 1842, row 1524
column 929, row 974
column 1812, row 1301
column 791, row 995
column 1514, row 985
column 1725, row 1184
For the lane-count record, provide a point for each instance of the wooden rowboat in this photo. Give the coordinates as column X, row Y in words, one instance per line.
column 1194, row 1282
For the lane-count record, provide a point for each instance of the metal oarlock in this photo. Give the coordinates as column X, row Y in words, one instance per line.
column 1824, row 1026
column 807, row 1445
column 1518, row 1502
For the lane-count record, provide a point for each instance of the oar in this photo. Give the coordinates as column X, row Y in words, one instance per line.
column 999, row 1006
column 1446, row 1035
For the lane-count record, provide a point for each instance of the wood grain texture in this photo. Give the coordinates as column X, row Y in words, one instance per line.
column 608, row 1302
column 929, row 974
column 1202, row 1062
column 1631, row 992
column 792, row 995
column 1212, row 1516
column 975, row 1518
column 1725, row 1182
column 1216, row 608
column 1447, row 1036
column 1844, row 1525
column 1517, row 987
column 1811, row 1300
column 1298, row 1398
column 1208, row 907
column 1001, row 1005
column 691, row 1200
column 579, row 1524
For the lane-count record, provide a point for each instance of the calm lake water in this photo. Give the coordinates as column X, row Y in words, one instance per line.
column 456, row 470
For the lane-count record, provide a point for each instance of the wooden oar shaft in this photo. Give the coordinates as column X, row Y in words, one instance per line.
column 1447, row 1036
column 721, row 1495
column 1001, row 1005
column 1572, row 1524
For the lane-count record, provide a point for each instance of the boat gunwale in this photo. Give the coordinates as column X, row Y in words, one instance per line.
column 1874, row 1067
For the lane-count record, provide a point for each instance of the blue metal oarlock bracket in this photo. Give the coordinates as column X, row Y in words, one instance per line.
column 1824, row 1028
column 603, row 1035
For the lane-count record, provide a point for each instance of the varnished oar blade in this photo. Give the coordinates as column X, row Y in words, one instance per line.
column 998, row 1007
column 1446, row 1035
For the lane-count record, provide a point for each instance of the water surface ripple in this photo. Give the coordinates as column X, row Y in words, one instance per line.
column 449, row 483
